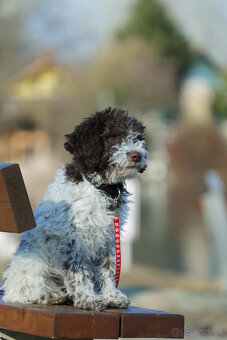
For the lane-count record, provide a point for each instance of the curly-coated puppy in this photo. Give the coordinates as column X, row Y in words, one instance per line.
column 70, row 255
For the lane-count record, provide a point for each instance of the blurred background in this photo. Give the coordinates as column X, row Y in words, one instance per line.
column 165, row 62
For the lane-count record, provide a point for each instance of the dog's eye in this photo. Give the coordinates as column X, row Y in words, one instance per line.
column 137, row 137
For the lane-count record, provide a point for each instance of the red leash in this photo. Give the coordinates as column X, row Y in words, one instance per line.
column 118, row 249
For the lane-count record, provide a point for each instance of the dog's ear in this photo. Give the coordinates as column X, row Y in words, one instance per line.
column 69, row 144
column 86, row 144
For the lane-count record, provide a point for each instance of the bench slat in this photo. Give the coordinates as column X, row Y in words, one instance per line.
column 148, row 323
column 60, row 321
column 16, row 215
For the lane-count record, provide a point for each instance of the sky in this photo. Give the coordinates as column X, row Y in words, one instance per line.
column 204, row 23
column 83, row 27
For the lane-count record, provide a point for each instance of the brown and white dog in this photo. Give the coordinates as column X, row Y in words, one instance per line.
column 70, row 255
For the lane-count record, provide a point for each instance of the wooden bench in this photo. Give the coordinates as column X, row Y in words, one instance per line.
column 31, row 322
column 16, row 214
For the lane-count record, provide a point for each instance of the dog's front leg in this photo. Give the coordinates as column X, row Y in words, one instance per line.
column 80, row 289
column 114, row 296
column 79, row 276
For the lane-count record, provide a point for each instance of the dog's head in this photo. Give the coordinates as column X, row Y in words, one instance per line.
column 107, row 147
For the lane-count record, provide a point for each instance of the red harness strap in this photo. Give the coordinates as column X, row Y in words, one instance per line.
column 118, row 249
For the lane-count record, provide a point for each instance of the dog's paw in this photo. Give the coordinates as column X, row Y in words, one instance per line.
column 95, row 303
column 99, row 304
column 118, row 300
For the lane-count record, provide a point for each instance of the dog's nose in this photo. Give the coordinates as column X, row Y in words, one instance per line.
column 134, row 156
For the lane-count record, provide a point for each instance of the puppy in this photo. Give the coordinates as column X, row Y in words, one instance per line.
column 70, row 255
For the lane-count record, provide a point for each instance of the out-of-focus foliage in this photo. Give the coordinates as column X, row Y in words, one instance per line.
column 134, row 75
column 220, row 102
column 150, row 21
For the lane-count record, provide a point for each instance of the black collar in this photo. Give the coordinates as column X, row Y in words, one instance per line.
column 111, row 190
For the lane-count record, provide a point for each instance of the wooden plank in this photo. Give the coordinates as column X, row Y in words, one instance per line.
column 58, row 321
column 139, row 322
column 22, row 320
column 7, row 217
column 10, row 335
column 66, row 321
column 4, row 197
column 87, row 324
column 15, row 210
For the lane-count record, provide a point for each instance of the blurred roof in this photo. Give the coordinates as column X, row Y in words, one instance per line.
column 44, row 62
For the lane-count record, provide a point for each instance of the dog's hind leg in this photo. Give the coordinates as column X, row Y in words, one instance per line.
column 31, row 280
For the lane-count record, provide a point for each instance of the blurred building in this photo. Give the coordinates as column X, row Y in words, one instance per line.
column 32, row 101
column 22, row 145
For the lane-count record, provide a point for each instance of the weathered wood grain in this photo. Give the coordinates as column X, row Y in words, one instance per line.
column 16, row 214
column 139, row 322
column 65, row 321
column 58, row 321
